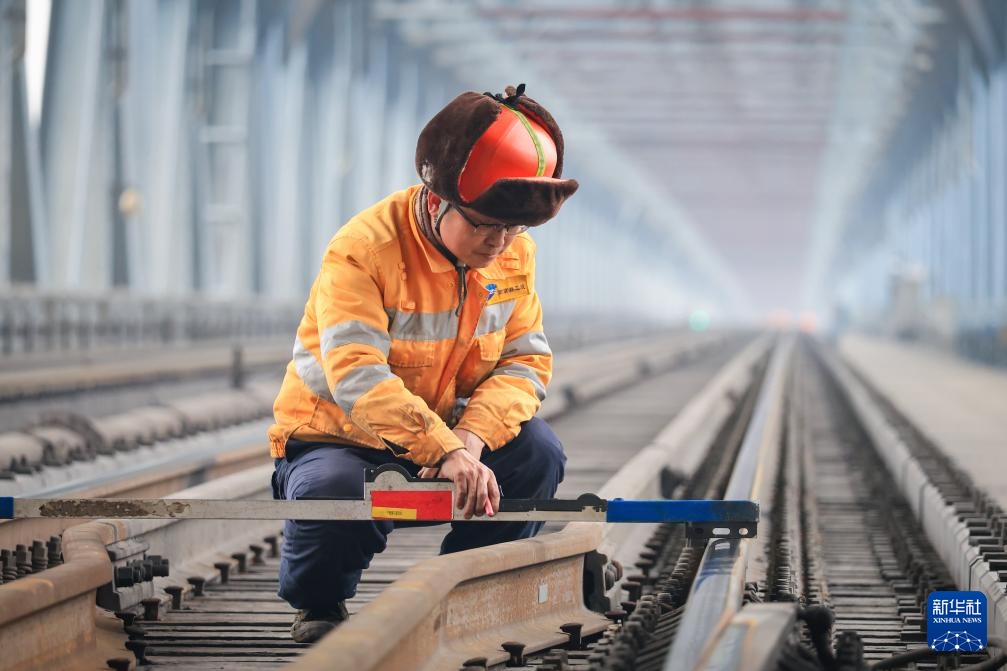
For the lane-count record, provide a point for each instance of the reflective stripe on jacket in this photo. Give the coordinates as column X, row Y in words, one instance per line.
column 383, row 354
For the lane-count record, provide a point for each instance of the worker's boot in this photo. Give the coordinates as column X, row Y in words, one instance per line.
column 311, row 625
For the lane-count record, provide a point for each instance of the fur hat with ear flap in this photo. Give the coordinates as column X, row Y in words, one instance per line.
column 501, row 156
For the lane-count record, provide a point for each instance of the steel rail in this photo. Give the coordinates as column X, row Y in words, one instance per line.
column 451, row 608
column 946, row 527
column 45, row 617
column 961, row 547
column 175, row 365
column 719, row 586
column 134, row 368
column 576, row 379
column 177, row 430
column 698, row 423
column 63, row 597
column 169, row 475
column 235, row 449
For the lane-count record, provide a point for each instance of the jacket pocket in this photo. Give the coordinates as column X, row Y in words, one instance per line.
column 413, row 362
column 491, row 346
column 411, row 354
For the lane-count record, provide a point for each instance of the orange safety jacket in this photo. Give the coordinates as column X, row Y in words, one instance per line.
column 386, row 347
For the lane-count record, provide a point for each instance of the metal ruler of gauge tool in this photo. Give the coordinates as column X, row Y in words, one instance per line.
column 390, row 493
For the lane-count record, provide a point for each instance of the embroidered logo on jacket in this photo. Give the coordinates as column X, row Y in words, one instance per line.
column 507, row 289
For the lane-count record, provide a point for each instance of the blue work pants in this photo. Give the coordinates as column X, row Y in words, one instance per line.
column 322, row 562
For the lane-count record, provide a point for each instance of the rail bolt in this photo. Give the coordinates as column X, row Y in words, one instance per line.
column 476, row 663
column 257, row 551
column 136, row 567
column 55, row 550
column 274, row 546
column 135, row 633
column 616, row 615
column 176, row 596
column 137, row 648
column 645, row 565
column 642, row 579
column 118, row 664
column 573, row 629
column 197, row 582
column 126, row 616
column 123, row 576
column 613, row 573
column 225, row 571
column 558, row 658
column 151, row 608
column 636, row 632
column 162, row 566
column 39, row 557
column 242, row 560
column 516, row 651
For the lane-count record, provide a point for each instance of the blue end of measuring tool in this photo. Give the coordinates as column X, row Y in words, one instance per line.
column 682, row 511
column 6, row 507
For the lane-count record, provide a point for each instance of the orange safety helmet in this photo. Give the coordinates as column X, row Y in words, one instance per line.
column 501, row 157
column 515, row 145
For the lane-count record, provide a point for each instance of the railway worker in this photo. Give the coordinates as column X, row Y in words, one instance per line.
column 422, row 344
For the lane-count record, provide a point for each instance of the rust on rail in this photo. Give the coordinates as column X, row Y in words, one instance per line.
column 111, row 508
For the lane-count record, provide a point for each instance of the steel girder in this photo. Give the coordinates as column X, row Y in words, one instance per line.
column 10, row 27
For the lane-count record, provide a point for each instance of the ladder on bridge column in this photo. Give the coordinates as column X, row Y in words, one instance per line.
column 224, row 238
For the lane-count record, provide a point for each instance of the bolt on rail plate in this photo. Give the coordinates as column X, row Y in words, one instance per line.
column 390, row 493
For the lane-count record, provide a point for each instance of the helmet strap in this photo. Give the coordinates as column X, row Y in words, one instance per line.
column 442, row 209
column 431, row 230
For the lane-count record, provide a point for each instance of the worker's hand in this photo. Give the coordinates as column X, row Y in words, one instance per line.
column 476, row 486
column 472, row 443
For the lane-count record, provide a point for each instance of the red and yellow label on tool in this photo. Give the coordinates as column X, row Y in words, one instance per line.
column 420, row 506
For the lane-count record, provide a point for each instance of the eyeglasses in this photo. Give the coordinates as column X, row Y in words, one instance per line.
column 487, row 230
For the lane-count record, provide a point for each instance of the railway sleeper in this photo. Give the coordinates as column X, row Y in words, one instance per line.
column 876, row 562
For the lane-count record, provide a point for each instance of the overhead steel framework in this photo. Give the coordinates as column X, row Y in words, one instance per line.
column 735, row 155
column 925, row 252
column 197, row 146
column 741, row 122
